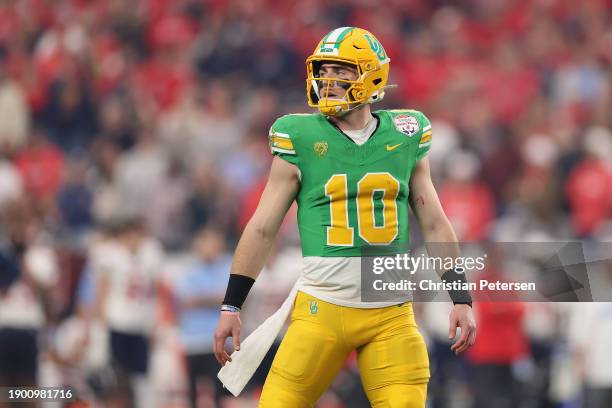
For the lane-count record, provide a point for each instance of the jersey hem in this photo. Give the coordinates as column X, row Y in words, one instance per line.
column 356, row 305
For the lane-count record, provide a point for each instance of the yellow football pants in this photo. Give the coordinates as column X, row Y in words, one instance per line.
column 391, row 355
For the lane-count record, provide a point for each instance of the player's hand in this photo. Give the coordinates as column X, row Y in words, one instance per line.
column 461, row 316
column 228, row 326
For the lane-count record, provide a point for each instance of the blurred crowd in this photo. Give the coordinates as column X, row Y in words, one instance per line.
column 133, row 150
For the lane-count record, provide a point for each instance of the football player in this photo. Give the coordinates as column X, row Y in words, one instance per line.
column 353, row 173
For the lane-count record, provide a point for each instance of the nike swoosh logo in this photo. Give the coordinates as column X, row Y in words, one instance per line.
column 389, row 148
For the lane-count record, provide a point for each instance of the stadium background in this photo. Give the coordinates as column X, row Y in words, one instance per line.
column 159, row 110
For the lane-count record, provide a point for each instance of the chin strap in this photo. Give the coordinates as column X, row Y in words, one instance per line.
column 342, row 112
column 375, row 97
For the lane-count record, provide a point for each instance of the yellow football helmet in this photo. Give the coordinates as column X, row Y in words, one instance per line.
column 358, row 48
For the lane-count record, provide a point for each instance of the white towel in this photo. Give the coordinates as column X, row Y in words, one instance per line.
column 236, row 374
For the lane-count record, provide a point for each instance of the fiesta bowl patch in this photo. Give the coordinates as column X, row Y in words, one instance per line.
column 408, row 125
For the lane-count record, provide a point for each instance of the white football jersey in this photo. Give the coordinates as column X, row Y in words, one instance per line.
column 20, row 306
column 131, row 300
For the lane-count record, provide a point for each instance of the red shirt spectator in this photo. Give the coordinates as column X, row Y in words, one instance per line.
column 501, row 338
column 509, row 89
column 162, row 80
column 589, row 192
column 40, row 165
column 107, row 50
column 470, row 207
column 172, row 31
column 422, row 77
column 249, row 203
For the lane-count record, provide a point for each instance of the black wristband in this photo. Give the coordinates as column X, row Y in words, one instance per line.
column 458, row 296
column 238, row 289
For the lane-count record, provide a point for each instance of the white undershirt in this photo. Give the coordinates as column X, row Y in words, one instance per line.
column 337, row 280
column 362, row 135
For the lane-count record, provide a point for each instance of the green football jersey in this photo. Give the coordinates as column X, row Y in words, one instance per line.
column 352, row 197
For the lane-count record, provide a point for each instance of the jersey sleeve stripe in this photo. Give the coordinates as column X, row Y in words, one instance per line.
column 426, row 128
column 424, row 144
column 279, row 150
column 282, row 143
column 426, row 137
column 279, row 134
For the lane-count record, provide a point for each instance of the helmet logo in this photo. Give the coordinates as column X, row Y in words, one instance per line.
column 331, row 42
column 376, row 47
column 320, row 149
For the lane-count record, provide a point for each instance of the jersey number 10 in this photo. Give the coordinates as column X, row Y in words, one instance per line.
column 340, row 233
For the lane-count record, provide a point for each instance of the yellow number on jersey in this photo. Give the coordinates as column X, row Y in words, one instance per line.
column 339, row 233
column 368, row 230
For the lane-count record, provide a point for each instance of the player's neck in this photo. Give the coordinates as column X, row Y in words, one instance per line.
column 356, row 119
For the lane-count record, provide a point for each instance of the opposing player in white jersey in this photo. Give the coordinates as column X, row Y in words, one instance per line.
column 126, row 267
